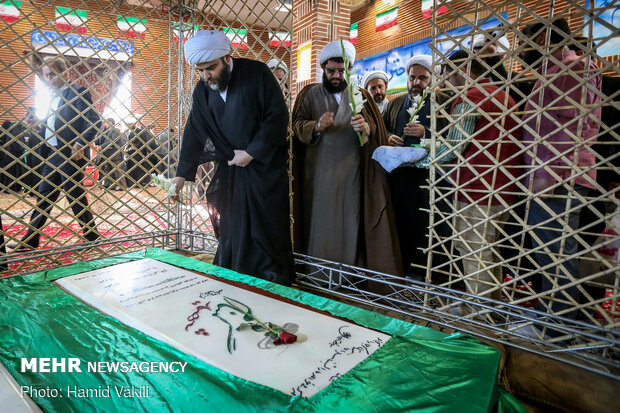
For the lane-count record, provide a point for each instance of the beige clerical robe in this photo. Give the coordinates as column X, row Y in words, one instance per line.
column 342, row 206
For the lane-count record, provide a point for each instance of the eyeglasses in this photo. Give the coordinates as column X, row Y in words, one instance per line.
column 333, row 71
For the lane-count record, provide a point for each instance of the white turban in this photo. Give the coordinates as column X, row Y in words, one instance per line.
column 480, row 40
column 374, row 74
column 422, row 60
column 273, row 63
column 334, row 49
column 206, row 46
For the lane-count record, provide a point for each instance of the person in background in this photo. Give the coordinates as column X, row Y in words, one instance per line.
column 280, row 71
column 376, row 83
column 71, row 124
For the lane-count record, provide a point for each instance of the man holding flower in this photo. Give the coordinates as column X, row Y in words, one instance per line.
column 411, row 200
column 239, row 121
column 342, row 209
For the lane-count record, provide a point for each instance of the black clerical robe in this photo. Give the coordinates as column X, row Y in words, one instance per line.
column 249, row 206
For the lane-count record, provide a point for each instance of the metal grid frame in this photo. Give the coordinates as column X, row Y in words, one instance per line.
column 591, row 344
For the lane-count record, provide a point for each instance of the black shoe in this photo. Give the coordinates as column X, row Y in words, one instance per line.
column 92, row 235
column 20, row 247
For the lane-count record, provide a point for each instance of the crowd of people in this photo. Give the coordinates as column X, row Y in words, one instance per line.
column 506, row 136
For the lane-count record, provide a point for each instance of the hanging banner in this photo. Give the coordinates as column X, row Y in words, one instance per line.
column 386, row 20
column 280, row 39
column 393, row 61
column 188, row 31
column 353, row 33
column 238, row 37
column 9, row 11
column 131, row 26
column 427, row 8
column 607, row 16
column 68, row 19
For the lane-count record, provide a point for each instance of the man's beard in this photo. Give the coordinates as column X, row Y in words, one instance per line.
column 413, row 92
column 331, row 88
column 222, row 81
column 379, row 98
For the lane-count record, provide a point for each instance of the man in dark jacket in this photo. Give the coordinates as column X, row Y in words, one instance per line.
column 70, row 126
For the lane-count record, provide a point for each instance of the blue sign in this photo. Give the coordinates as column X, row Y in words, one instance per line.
column 605, row 23
column 393, row 61
column 85, row 42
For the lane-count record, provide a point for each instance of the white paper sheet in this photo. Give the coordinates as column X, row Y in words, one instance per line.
column 181, row 308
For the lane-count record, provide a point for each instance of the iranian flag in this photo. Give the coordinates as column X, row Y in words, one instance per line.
column 131, row 26
column 9, row 11
column 68, row 19
column 427, row 9
column 238, row 37
column 353, row 33
column 386, row 19
column 280, row 39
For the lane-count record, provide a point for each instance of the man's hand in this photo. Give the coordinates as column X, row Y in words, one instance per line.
column 325, row 121
column 357, row 122
column 540, row 187
column 179, row 182
column 77, row 152
column 394, row 140
column 414, row 129
column 241, row 158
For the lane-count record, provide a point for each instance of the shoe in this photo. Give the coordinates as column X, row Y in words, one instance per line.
column 19, row 247
column 456, row 310
column 93, row 235
column 528, row 330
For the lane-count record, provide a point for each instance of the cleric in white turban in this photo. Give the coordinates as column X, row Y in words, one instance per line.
column 206, row 46
column 376, row 82
column 334, row 49
column 422, row 60
column 278, row 67
column 239, row 121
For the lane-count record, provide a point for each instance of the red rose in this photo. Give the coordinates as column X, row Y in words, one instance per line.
column 285, row 338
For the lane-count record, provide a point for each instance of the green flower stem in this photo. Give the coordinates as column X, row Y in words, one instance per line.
column 418, row 108
column 350, row 85
column 266, row 326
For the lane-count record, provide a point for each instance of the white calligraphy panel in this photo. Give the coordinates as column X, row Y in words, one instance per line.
column 200, row 316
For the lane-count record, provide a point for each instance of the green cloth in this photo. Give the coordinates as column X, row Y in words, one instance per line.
column 419, row 369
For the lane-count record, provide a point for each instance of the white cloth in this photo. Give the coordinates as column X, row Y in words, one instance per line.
column 374, row 74
column 391, row 157
column 334, row 49
column 273, row 63
column 206, row 46
column 224, row 93
column 50, row 136
column 480, row 40
column 422, row 60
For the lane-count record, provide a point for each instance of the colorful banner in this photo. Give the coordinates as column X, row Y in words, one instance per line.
column 113, row 46
column 280, row 39
column 605, row 13
column 393, row 61
column 131, row 26
column 386, row 19
column 9, row 11
column 68, row 19
column 238, row 37
column 188, row 31
column 427, row 8
column 353, row 33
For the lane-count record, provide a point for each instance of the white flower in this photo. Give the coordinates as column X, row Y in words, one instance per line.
column 165, row 183
column 358, row 104
column 426, row 144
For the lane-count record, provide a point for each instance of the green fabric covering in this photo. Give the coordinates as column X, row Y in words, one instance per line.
column 419, row 369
